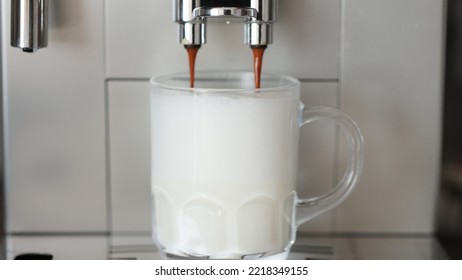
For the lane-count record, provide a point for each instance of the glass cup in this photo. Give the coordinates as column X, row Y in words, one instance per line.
column 224, row 165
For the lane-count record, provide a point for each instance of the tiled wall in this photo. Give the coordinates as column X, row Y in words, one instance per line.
column 77, row 112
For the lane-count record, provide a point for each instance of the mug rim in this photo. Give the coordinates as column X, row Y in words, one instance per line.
column 157, row 80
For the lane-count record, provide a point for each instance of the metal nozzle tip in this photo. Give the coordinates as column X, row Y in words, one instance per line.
column 192, row 46
column 258, row 46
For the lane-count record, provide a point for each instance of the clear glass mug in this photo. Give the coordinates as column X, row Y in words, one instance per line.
column 224, row 165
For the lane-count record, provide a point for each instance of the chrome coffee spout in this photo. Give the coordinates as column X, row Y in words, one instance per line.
column 258, row 15
column 29, row 24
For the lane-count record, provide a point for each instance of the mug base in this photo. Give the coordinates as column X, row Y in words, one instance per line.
column 279, row 256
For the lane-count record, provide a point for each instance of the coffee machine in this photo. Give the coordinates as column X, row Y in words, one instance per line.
column 75, row 117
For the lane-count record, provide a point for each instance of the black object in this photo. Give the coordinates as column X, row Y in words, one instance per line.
column 34, row 256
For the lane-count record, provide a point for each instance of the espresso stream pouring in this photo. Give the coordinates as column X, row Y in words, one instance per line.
column 192, row 53
column 258, row 17
column 257, row 51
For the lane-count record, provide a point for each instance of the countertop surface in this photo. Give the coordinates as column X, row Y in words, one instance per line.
column 358, row 247
column 341, row 248
column 372, row 248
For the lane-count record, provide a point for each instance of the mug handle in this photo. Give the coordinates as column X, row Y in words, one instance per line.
column 310, row 208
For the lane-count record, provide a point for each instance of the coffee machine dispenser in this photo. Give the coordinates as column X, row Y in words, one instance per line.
column 192, row 17
column 76, row 119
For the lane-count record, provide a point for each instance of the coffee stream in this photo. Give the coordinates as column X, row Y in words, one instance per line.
column 192, row 53
column 258, row 52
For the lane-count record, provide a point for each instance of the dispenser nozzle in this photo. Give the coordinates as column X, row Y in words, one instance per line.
column 259, row 16
column 29, row 24
column 258, row 33
column 192, row 33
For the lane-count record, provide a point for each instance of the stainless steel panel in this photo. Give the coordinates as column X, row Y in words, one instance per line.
column 54, row 124
column 2, row 175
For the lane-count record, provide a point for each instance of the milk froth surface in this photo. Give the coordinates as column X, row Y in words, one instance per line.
column 223, row 171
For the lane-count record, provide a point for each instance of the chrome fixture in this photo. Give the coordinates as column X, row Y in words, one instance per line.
column 258, row 15
column 29, row 24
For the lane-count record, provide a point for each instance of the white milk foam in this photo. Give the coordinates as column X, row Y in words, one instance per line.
column 223, row 174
